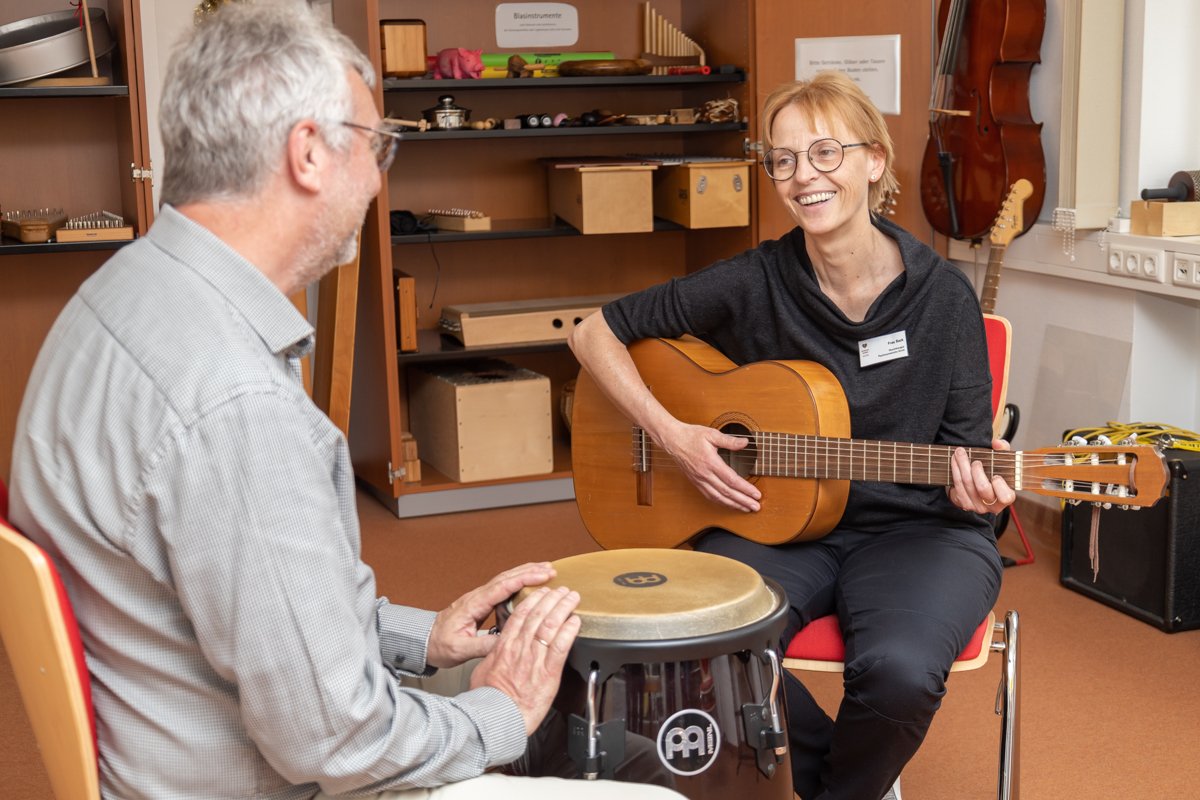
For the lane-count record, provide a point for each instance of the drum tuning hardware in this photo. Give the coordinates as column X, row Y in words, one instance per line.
column 763, row 722
column 595, row 747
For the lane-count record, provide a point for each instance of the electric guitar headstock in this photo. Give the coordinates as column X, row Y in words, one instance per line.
column 1010, row 222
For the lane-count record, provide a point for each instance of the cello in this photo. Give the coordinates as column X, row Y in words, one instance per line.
column 982, row 137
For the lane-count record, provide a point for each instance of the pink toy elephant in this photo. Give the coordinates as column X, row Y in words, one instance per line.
column 458, row 62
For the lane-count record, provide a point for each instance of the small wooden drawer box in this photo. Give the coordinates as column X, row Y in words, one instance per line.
column 603, row 197
column 402, row 47
column 704, row 194
column 1159, row 218
column 482, row 419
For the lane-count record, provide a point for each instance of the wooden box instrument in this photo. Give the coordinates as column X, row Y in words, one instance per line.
column 1159, row 218
column 703, row 193
column 402, row 45
column 483, row 419
column 519, row 321
column 603, row 197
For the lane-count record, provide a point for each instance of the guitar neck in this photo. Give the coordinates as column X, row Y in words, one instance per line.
column 991, row 280
column 796, row 456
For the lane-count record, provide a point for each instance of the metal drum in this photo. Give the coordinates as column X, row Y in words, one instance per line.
column 39, row 46
column 674, row 678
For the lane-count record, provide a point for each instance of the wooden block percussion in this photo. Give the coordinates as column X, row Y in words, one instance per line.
column 517, row 322
column 402, row 47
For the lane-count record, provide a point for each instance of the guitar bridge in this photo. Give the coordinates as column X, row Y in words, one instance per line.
column 641, row 467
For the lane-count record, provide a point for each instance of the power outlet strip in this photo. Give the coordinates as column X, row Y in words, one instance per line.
column 1145, row 263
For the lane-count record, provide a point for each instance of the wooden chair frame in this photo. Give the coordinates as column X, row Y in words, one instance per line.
column 42, row 641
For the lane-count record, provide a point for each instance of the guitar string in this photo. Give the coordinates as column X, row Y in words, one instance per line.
column 901, row 452
column 1027, row 461
column 833, row 454
column 1032, row 477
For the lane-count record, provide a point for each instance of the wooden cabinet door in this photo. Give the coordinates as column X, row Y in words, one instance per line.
column 133, row 141
column 778, row 23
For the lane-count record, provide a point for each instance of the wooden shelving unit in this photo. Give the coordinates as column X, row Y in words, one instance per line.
column 527, row 254
column 502, row 177
column 74, row 148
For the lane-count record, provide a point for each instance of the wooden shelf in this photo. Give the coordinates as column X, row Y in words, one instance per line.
column 527, row 252
column 436, row 346
column 64, row 91
column 488, row 84
column 512, row 229
column 14, row 247
column 437, row 494
column 432, row 480
column 602, row 130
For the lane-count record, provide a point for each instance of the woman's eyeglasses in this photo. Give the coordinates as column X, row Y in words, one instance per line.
column 825, row 155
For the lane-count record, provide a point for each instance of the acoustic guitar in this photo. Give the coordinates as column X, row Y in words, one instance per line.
column 631, row 493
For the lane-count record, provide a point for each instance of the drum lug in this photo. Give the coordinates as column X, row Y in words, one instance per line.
column 595, row 747
column 609, row 747
column 763, row 723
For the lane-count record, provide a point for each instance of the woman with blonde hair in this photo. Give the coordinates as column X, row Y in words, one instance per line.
column 909, row 570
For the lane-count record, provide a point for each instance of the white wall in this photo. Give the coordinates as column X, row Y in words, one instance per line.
column 1162, row 114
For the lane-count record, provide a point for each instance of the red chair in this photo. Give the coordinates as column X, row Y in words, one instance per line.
column 41, row 638
column 820, row 647
column 1004, row 417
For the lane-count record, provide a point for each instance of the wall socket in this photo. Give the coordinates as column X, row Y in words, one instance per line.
column 1145, row 263
column 1185, row 269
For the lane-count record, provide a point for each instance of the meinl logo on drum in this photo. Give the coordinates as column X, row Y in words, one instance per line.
column 688, row 742
column 640, row 580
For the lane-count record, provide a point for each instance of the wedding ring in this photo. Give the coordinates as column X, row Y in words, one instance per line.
column 542, row 642
column 994, row 501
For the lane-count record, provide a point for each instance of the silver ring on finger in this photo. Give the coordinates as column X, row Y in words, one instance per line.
column 541, row 641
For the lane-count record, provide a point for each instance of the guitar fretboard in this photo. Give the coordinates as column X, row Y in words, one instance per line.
column 797, row 456
column 991, row 279
column 1058, row 472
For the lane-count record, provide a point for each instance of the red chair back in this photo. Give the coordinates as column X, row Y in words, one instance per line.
column 41, row 638
column 998, row 332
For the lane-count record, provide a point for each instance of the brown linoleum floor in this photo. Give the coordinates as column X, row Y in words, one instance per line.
column 1110, row 706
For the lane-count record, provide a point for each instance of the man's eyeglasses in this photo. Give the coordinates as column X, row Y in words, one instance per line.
column 383, row 142
column 824, row 154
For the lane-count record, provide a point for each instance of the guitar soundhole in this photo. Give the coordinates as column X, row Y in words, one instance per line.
column 742, row 460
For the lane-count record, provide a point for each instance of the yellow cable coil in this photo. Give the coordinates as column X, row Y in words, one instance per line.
column 1142, row 433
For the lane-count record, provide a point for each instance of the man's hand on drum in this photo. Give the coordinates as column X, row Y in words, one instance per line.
column 973, row 489
column 695, row 448
column 454, row 637
column 527, row 661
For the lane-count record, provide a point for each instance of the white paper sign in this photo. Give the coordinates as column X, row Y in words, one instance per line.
column 538, row 25
column 873, row 62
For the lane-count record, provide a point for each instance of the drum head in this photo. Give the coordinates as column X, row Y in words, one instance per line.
column 646, row 594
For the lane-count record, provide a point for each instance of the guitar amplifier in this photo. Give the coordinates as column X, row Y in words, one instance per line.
column 1150, row 558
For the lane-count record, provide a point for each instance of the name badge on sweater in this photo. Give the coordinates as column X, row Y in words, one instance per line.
column 879, row 349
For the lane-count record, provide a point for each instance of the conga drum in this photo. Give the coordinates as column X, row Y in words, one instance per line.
column 674, row 672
